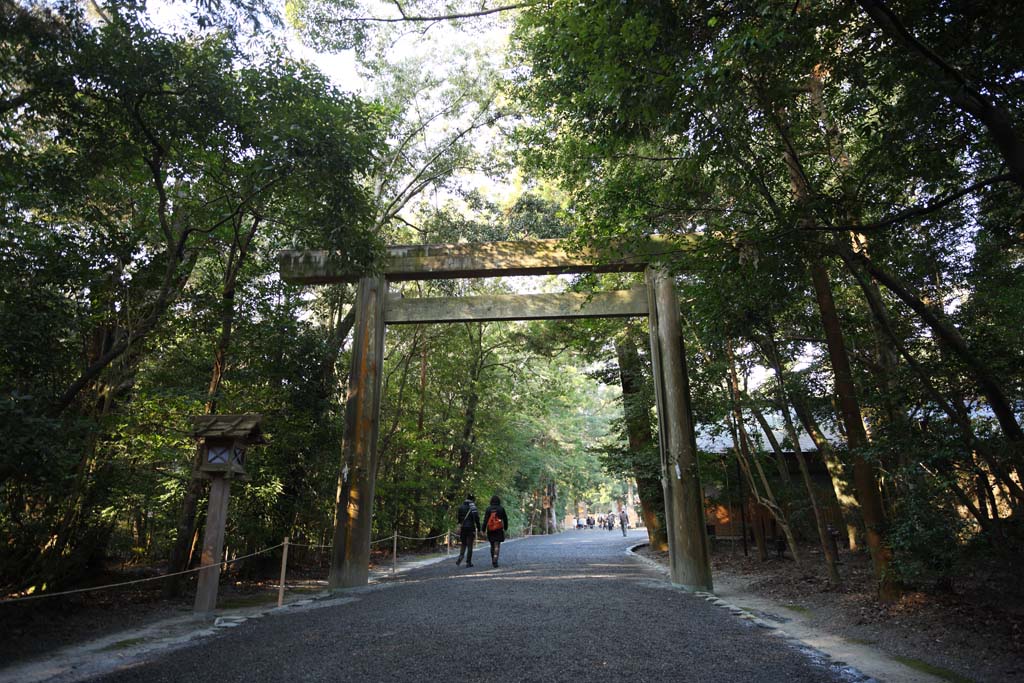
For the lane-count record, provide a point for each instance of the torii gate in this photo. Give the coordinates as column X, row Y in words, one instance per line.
column 684, row 500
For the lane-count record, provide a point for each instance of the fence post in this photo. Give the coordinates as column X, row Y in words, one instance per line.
column 284, row 571
column 448, row 543
column 394, row 554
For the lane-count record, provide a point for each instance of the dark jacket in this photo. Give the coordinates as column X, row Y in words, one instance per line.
column 468, row 516
column 498, row 535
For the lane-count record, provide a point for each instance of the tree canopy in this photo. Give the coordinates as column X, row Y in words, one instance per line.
column 837, row 185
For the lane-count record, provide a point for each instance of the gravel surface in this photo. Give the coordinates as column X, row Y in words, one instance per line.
column 569, row 607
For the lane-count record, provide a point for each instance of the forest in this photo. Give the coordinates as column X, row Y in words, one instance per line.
column 836, row 187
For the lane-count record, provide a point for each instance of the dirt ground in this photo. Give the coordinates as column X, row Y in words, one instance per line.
column 975, row 633
column 32, row 629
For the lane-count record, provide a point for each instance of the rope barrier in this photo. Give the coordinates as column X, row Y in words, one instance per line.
column 128, row 583
column 206, row 566
column 422, row 538
column 378, row 540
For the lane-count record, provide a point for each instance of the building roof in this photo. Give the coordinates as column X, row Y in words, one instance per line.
column 711, row 440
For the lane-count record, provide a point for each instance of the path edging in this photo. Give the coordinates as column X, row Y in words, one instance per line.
column 847, row 672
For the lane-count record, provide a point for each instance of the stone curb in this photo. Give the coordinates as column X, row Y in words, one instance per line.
column 846, row 672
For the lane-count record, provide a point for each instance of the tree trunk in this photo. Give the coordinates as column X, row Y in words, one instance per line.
column 954, row 408
column 865, row 479
column 864, row 476
column 741, row 451
column 638, row 429
column 552, row 516
column 988, row 383
column 768, row 500
column 844, row 502
column 823, row 533
column 780, row 457
column 467, row 437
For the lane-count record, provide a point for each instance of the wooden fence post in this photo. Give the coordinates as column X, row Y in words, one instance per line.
column 284, row 571
column 394, row 554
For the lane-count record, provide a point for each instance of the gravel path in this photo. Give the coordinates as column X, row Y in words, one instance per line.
column 569, row 607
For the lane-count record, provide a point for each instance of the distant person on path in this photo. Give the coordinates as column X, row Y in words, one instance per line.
column 469, row 527
column 590, row 521
column 495, row 522
column 624, row 521
column 610, row 521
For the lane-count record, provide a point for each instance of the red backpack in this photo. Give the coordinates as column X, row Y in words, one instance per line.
column 494, row 522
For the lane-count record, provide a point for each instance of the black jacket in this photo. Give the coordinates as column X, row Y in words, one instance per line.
column 498, row 535
column 468, row 516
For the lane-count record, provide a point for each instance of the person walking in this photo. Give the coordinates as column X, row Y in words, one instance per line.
column 495, row 522
column 623, row 520
column 469, row 527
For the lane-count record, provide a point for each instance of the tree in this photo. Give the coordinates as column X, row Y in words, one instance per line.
column 759, row 129
column 127, row 160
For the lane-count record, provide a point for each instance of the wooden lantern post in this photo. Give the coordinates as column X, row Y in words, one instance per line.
column 222, row 440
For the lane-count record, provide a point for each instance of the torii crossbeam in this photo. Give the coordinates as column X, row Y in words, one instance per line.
column 684, row 500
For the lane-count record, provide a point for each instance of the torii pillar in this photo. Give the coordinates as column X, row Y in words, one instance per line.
column 684, row 499
column 350, row 553
column 680, row 474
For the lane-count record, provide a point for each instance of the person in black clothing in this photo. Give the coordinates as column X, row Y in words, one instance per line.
column 469, row 527
column 495, row 533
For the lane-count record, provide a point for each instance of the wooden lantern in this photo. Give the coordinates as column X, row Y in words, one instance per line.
column 223, row 440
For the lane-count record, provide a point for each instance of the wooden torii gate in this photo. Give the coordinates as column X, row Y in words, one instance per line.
column 684, row 500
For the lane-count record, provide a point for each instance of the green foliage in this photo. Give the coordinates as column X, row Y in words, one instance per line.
column 134, row 163
column 147, row 180
column 468, row 408
column 765, row 133
column 927, row 535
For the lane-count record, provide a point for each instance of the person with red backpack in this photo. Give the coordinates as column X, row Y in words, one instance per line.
column 495, row 522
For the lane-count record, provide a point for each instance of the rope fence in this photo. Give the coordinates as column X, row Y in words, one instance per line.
column 134, row 581
column 394, row 537
column 447, row 535
column 423, row 538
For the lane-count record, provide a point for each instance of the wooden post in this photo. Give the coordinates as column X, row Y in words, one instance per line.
column 213, row 545
column 743, row 506
column 350, row 555
column 394, row 554
column 684, row 498
column 448, row 543
column 284, row 572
